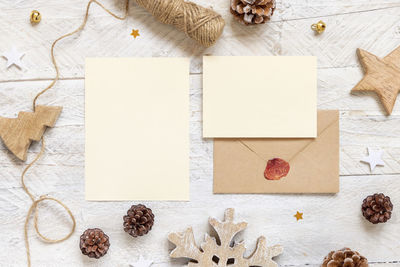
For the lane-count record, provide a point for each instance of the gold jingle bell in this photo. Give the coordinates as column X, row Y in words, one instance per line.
column 35, row 16
column 319, row 27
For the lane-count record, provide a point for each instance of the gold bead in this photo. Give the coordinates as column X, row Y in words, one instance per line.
column 35, row 16
column 319, row 27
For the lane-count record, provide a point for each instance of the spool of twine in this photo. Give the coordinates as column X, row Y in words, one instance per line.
column 201, row 24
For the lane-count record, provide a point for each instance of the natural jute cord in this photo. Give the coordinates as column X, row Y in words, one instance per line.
column 35, row 202
column 201, row 24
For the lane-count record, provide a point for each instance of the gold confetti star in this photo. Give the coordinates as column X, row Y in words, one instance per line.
column 135, row 33
column 298, row 216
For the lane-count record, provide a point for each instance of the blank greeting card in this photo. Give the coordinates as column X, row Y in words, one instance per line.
column 259, row 97
column 137, row 128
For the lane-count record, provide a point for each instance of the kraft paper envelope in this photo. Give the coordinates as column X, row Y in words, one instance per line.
column 239, row 164
column 137, row 129
column 257, row 97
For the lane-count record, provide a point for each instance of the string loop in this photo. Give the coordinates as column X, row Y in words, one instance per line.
column 35, row 202
column 203, row 25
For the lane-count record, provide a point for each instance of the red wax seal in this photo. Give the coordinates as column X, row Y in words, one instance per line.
column 276, row 169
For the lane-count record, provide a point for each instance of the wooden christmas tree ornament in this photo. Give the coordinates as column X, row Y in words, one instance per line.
column 18, row 133
column 227, row 253
column 382, row 76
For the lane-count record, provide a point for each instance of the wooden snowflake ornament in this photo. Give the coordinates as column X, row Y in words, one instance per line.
column 227, row 253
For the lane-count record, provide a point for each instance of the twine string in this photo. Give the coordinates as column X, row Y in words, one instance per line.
column 203, row 25
column 81, row 27
column 35, row 202
column 34, row 208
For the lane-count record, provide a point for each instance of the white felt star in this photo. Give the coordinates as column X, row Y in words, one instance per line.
column 13, row 58
column 142, row 263
column 374, row 158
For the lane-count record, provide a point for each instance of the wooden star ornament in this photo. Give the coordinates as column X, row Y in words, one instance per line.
column 382, row 76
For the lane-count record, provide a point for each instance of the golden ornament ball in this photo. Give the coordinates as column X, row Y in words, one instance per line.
column 35, row 16
column 319, row 27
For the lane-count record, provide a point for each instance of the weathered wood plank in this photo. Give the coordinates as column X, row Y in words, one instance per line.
column 361, row 121
column 330, row 222
column 105, row 36
column 299, row 9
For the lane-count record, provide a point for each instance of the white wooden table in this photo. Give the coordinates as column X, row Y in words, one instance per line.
column 330, row 221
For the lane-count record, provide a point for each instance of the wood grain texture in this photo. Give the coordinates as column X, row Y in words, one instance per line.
column 18, row 133
column 382, row 76
column 225, row 252
column 330, row 222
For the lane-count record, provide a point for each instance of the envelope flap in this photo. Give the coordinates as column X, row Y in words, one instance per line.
column 288, row 148
column 326, row 119
column 239, row 164
column 274, row 148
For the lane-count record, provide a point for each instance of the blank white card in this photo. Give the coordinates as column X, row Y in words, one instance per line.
column 137, row 129
column 260, row 97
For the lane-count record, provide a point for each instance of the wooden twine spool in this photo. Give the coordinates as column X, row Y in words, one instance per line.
column 201, row 24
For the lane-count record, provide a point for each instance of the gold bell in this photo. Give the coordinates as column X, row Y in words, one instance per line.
column 35, row 16
column 319, row 27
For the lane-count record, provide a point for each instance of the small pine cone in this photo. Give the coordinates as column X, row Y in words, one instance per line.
column 345, row 257
column 377, row 208
column 139, row 220
column 250, row 12
column 94, row 243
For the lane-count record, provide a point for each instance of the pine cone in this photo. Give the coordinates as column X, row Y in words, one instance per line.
column 139, row 220
column 377, row 208
column 94, row 243
column 345, row 257
column 251, row 12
